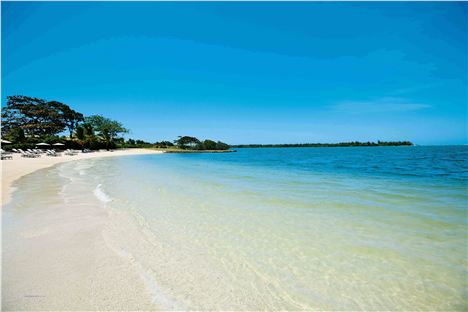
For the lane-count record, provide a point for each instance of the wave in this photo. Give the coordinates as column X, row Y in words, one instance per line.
column 157, row 295
column 101, row 195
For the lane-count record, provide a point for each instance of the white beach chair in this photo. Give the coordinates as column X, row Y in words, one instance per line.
column 5, row 155
column 32, row 151
column 52, row 153
column 28, row 154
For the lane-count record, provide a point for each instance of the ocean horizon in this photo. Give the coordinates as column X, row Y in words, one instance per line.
column 354, row 228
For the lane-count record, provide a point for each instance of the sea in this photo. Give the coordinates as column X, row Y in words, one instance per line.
column 345, row 228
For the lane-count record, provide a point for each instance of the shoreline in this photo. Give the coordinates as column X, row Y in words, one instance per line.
column 62, row 258
column 19, row 166
column 72, row 243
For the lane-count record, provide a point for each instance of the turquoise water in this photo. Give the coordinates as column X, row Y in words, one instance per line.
column 380, row 228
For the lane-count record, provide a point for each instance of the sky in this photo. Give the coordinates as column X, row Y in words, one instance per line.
column 248, row 72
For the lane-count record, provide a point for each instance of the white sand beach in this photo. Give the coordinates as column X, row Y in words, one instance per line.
column 58, row 259
column 20, row 166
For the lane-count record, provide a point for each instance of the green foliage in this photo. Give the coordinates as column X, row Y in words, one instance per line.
column 135, row 144
column 16, row 135
column 212, row 145
column 51, row 139
column 84, row 134
column 163, row 144
column 80, row 133
column 35, row 116
column 105, row 126
column 222, row 146
column 343, row 144
column 107, row 129
column 187, row 142
column 28, row 120
column 207, row 145
column 88, row 131
column 23, row 146
column 70, row 117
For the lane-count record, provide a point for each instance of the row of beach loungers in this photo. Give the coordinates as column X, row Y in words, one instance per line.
column 6, row 155
column 34, row 153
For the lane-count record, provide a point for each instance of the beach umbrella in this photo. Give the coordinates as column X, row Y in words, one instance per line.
column 58, row 144
column 5, row 142
column 42, row 144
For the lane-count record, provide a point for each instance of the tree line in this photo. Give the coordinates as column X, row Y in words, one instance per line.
column 342, row 144
column 27, row 121
column 182, row 142
column 192, row 143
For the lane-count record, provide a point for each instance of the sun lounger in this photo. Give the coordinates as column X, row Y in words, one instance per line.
column 5, row 155
column 32, row 151
column 70, row 152
column 52, row 153
column 28, row 154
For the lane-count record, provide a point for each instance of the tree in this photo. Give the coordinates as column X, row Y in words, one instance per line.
column 163, row 144
column 208, row 145
column 80, row 135
column 84, row 133
column 185, row 142
column 33, row 115
column 70, row 117
column 221, row 146
column 16, row 135
column 107, row 129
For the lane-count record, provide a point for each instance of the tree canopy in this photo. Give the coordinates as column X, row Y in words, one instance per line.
column 107, row 129
column 26, row 120
column 33, row 115
column 29, row 120
column 70, row 117
column 185, row 142
column 188, row 142
column 38, row 117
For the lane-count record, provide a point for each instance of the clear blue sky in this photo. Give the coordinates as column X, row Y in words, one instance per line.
column 248, row 72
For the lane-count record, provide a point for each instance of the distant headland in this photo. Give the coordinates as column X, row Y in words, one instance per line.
column 342, row 144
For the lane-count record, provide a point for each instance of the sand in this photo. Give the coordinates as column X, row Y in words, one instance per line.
column 59, row 258
column 20, row 166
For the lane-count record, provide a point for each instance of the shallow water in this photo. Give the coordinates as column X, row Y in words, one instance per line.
column 289, row 228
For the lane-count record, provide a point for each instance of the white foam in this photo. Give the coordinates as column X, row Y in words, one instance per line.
column 101, row 195
column 157, row 295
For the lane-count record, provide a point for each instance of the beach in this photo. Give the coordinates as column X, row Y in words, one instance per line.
column 20, row 166
column 58, row 258
column 261, row 229
column 234, row 156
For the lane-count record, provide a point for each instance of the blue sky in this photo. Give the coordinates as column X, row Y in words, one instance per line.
column 248, row 72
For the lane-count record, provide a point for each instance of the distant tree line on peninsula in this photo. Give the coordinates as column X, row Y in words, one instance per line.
column 342, row 144
column 187, row 143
